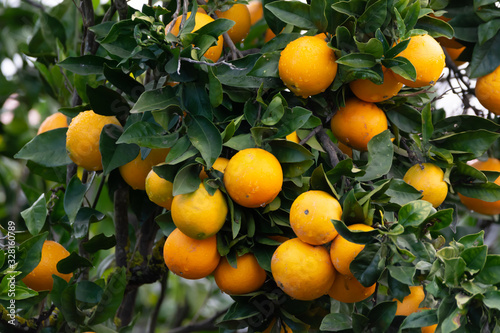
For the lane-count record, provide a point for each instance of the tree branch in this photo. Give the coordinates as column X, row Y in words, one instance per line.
column 329, row 146
column 156, row 311
column 204, row 325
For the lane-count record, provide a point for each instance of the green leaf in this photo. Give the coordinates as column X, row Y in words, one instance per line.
column 454, row 269
column 266, row 65
column 382, row 315
column 427, row 127
column 111, row 297
column 73, row 197
column 369, row 264
column 158, row 99
column 206, row 138
column 492, row 299
column 88, row 292
column 318, row 15
column 485, row 57
column 488, row 30
column 72, row 262
column 489, row 192
column 87, row 64
column 30, row 252
column 292, row 120
column 115, row 155
column 69, row 309
column 292, row 12
column 124, row 82
column 352, row 211
column 84, row 217
column 475, row 258
column 47, row 149
column 274, row 111
column 380, row 154
column 215, row 88
column 195, row 98
column 36, row 215
column 463, row 123
column 403, row 274
column 435, row 27
column 290, row 152
column 358, row 60
column 490, row 274
column 374, row 16
column 414, row 213
column 264, row 254
column 439, row 220
column 186, row 180
column 419, row 319
column 336, row 322
column 471, row 240
column 149, row 135
column 476, row 143
column 406, row 118
column 401, row 192
column 401, row 66
column 99, row 242
column 107, row 102
column 354, row 236
column 373, row 46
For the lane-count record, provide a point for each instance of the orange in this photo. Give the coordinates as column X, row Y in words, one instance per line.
column 428, row 329
column 241, row 16
column 345, row 149
column 411, row 302
column 284, row 327
column 428, row 179
column 478, row 205
column 488, row 91
column 454, row 54
column 368, row 91
column 256, row 11
column 253, row 177
column 201, row 19
column 56, row 120
column 40, row 278
column 311, row 214
column 190, row 258
column 269, row 35
column 293, row 137
column 82, row 139
column 348, row 290
column 302, row 271
column 135, row 172
column 357, row 122
column 307, row 66
column 219, row 165
column 198, row 214
column 343, row 252
column 428, row 58
column 247, row 277
column 159, row 190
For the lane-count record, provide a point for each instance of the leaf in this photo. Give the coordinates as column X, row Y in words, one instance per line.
column 115, row 155
column 475, row 258
column 336, row 322
column 490, row 274
column 485, row 57
column 413, row 214
column 290, row 152
column 124, row 82
column 147, row 134
column 462, row 123
column 73, row 197
column 86, row 65
column 402, row 67
column 72, row 262
column 30, row 252
column 382, row 315
column 380, row 154
column 36, row 215
column 488, row 30
column 205, row 137
column 352, row 211
column 264, row 254
column 369, row 264
column 475, row 142
column 406, row 118
column 266, row 65
column 427, row 127
column 489, row 192
column 69, row 310
column 215, row 89
column 318, row 15
column 158, row 99
column 358, row 60
column 435, row 27
column 292, row 12
column 111, row 297
column 292, row 120
column 99, row 242
column 374, row 16
column 454, row 269
column 274, row 111
column 195, row 99
column 419, row 319
column 354, row 236
column 84, row 217
column 401, row 192
column 88, row 292
column 403, row 274
column 492, row 299
column 186, row 180
column 47, row 149
column 440, row 220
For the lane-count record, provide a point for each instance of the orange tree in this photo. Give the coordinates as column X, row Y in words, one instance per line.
column 389, row 261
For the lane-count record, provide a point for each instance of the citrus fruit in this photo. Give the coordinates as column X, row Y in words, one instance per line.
column 201, row 19
column 411, row 302
column 242, row 22
column 368, row 91
column 284, row 327
column 478, row 205
column 343, row 252
column 135, row 172
column 82, row 139
column 256, row 11
column 219, row 165
column 307, row 66
column 488, row 91
column 159, row 190
column 454, row 54
column 40, row 278
column 430, row 328
column 311, row 214
column 293, row 137
column 253, row 177
column 357, row 122
column 190, row 258
column 269, row 35
column 56, row 120
column 198, row 214
column 427, row 56
column 247, row 277
column 347, row 289
column 428, row 179
column 301, row 270
column 345, row 149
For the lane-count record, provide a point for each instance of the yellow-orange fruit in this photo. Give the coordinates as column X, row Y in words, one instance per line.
column 159, row 190
column 348, row 290
column 56, row 120
column 256, row 11
column 240, row 14
column 411, row 302
column 219, row 165
column 135, row 172
column 247, row 277
column 428, row 179
column 488, row 91
column 368, row 91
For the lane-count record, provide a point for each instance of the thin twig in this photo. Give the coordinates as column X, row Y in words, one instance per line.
column 310, row 135
column 99, row 190
column 204, row 325
column 156, row 311
column 35, row 4
column 212, row 64
column 329, row 146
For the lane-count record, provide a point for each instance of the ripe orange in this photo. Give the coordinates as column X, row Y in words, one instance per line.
column 293, row 137
column 136, row 171
column 56, row 120
column 454, row 54
column 284, row 327
column 307, row 66
column 302, row 271
column 355, row 124
column 348, row 290
column 247, row 277
column 201, row 19
column 256, row 11
column 40, row 278
column 269, row 35
column 343, row 252
column 253, row 177
column 488, row 91
column 411, row 302
column 159, row 190
column 427, row 56
column 198, row 214
column 345, row 149
column 82, row 139
column 311, row 214
column 428, row 179
column 241, row 16
column 368, row 91
column 478, row 205
column 219, row 165
column 190, row 258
